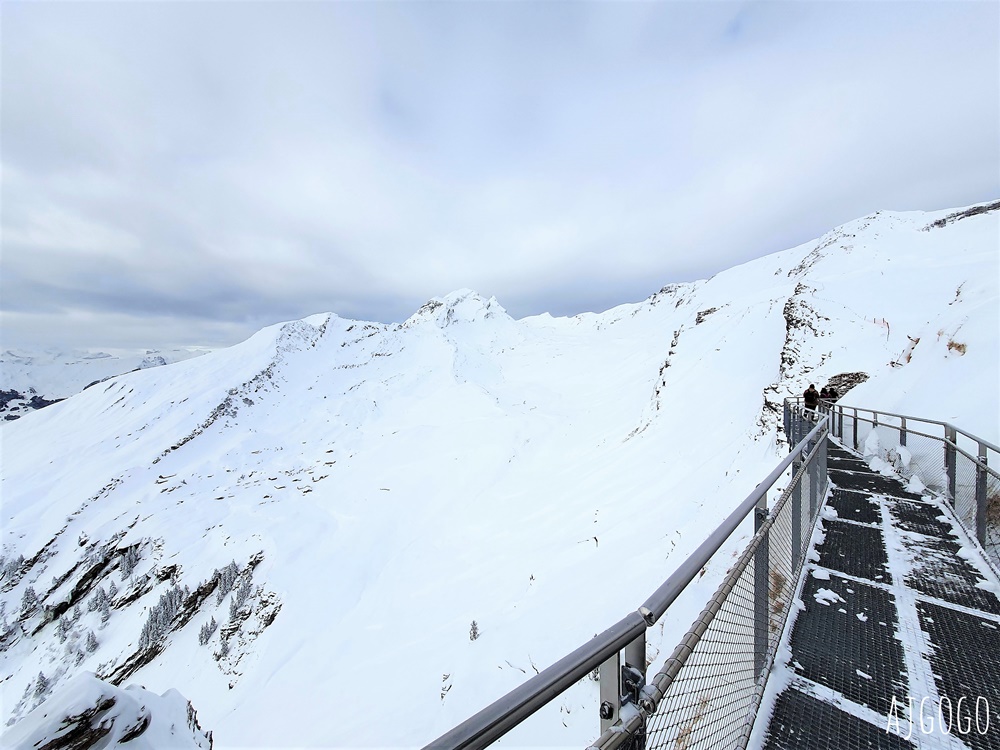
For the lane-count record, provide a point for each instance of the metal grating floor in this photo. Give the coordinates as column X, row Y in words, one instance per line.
column 899, row 620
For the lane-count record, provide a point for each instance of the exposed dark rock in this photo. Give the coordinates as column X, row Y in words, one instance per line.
column 700, row 317
column 138, row 728
column 845, row 381
column 81, row 731
column 194, row 601
column 228, row 407
column 167, row 572
column 959, row 215
column 7, row 396
column 142, row 587
column 132, row 664
column 37, row 402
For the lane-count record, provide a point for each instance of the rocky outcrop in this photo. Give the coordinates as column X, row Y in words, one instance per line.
column 959, row 215
column 90, row 713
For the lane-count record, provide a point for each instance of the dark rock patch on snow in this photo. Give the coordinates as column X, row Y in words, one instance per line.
column 959, row 215
column 845, row 381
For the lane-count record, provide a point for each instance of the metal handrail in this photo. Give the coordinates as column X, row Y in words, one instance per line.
column 492, row 722
column 948, row 425
column 976, row 525
column 664, row 596
column 830, row 408
column 657, row 688
column 504, row 714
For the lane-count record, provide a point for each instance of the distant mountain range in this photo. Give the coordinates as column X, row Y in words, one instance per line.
column 349, row 533
column 31, row 380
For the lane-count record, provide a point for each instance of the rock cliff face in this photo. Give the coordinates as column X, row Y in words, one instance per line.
column 282, row 525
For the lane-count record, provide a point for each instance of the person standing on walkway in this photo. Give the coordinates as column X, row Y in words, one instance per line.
column 811, row 397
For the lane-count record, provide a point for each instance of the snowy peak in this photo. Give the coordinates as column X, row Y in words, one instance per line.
column 462, row 306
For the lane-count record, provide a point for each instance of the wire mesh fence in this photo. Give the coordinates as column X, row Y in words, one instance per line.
column 935, row 455
column 711, row 685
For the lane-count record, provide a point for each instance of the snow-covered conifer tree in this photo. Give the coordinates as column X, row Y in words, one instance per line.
column 29, row 602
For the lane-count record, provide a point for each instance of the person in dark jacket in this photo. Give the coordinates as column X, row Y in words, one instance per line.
column 811, row 397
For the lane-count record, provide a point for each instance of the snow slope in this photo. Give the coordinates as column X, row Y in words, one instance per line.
column 346, row 499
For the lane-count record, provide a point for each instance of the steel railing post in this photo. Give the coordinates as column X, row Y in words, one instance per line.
column 950, row 458
column 812, row 473
column 622, row 677
column 633, row 680
column 855, row 428
column 796, row 516
column 824, row 467
column 981, row 496
column 840, row 427
column 635, row 656
column 611, row 690
column 761, row 605
column 902, row 430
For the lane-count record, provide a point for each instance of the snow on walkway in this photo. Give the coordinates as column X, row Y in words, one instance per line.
column 897, row 639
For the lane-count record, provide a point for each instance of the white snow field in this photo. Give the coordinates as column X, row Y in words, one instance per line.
column 382, row 487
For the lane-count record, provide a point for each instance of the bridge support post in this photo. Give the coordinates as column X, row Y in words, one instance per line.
column 635, row 658
column 855, row 428
column 611, row 691
column 797, row 515
column 902, row 430
column 950, row 459
column 981, row 496
column 761, row 604
column 622, row 678
column 813, row 474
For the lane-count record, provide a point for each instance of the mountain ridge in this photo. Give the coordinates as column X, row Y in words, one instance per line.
column 379, row 487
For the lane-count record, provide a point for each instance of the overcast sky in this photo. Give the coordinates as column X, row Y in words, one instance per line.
column 184, row 173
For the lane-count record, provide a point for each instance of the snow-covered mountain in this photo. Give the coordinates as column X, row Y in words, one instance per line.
column 31, row 380
column 341, row 533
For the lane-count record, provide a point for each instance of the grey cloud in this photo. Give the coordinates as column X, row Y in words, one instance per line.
column 224, row 164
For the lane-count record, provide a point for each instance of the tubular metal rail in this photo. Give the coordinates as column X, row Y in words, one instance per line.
column 707, row 692
column 952, row 462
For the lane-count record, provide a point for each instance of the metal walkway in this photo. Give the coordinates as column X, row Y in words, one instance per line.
column 898, row 642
